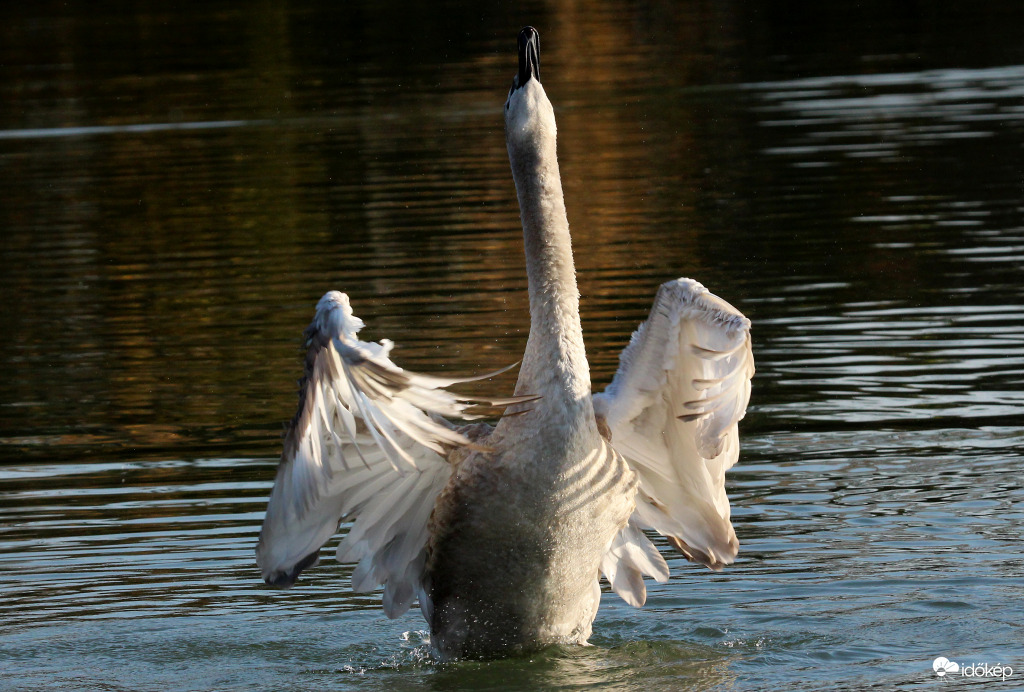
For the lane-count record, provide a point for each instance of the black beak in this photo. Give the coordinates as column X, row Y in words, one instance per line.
column 529, row 55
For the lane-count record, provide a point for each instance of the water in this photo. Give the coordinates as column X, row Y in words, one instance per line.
column 181, row 188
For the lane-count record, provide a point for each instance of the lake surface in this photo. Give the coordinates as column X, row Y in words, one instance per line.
column 180, row 187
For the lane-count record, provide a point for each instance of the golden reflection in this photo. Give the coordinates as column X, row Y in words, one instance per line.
column 160, row 281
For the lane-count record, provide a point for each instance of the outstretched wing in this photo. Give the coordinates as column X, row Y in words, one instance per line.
column 672, row 411
column 368, row 444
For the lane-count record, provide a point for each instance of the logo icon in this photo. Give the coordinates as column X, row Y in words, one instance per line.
column 943, row 665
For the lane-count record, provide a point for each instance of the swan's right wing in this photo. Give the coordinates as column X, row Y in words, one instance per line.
column 672, row 411
column 368, row 444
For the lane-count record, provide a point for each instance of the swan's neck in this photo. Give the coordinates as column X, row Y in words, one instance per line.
column 555, row 363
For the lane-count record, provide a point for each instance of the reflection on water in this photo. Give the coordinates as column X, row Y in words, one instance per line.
column 177, row 201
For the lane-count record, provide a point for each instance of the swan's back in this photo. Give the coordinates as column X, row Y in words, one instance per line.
column 516, row 542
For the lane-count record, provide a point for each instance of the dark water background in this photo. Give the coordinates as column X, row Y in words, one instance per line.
column 180, row 185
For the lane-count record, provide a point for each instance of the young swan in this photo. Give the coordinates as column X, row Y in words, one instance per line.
column 502, row 534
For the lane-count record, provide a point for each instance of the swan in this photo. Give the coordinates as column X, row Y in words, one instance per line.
column 502, row 533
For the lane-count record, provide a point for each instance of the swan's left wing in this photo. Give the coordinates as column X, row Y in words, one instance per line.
column 368, row 444
column 672, row 411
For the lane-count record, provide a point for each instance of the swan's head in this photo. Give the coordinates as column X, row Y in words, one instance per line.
column 529, row 118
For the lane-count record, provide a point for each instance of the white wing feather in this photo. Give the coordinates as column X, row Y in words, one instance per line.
column 630, row 556
column 672, row 411
column 364, row 446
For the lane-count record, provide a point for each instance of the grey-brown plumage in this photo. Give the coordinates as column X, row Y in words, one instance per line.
column 502, row 534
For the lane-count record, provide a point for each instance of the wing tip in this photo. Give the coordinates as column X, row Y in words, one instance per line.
column 707, row 558
column 334, row 316
column 692, row 292
column 286, row 578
